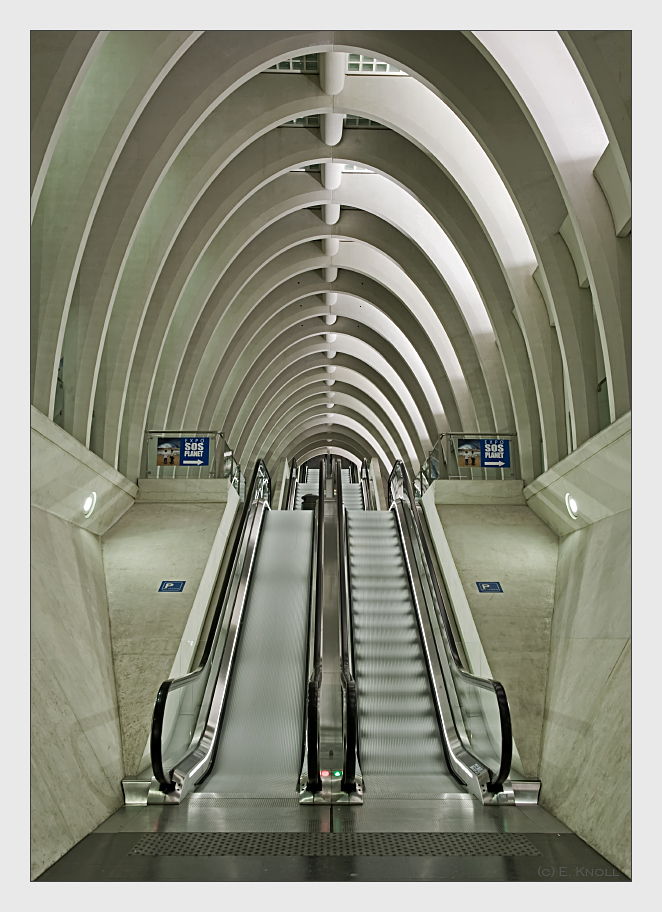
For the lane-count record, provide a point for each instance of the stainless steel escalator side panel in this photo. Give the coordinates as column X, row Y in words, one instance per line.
column 466, row 767
column 195, row 765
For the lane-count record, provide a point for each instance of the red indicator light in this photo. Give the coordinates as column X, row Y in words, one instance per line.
column 324, row 773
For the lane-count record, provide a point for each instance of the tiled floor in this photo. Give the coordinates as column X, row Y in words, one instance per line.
column 106, row 854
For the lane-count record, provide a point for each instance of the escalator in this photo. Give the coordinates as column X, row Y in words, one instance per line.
column 394, row 701
column 309, row 488
column 352, row 495
column 237, row 724
column 426, row 726
column 259, row 746
column 400, row 748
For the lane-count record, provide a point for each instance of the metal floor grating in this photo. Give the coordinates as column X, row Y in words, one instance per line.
column 210, row 800
column 337, row 844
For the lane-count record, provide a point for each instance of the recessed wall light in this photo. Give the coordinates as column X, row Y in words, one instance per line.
column 90, row 504
column 572, row 506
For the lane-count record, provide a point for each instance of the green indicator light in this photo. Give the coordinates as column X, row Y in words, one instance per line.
column 337, row 772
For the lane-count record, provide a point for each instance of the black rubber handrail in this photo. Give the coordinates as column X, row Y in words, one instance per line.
column 484, row 683
column 365, row 486
column 348, row 783
column 315, row 680
column 292, row 487
column 165, row 783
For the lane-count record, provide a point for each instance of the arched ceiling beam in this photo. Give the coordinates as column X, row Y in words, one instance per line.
column 263, row 298
column 539, row 71
column 315, row 394
column 405, row 40
column 321, row 441
column 125, row 73
column 370, row 349
column 310, row 355
column 604, row 58
column 327, row 436
column 445, row 203
column 307, row 455
column 520, row 429
column 160, row 316
column 316, row 406
column 340, row 426
column 315, row 414
column 300, row 376
column 273, row 314
column 459, row 73
column 60, row 61
column 146, row 375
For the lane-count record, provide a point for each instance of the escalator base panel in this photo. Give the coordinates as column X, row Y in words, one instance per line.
column 338, row 844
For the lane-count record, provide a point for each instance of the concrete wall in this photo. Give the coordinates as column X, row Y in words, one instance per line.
column 76, row 761
column 485, row 532
column 583, row 743
column 176, row 530
column 98, row 629
column 586, row 748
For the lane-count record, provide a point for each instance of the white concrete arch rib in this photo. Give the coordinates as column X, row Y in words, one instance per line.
column 177, row 267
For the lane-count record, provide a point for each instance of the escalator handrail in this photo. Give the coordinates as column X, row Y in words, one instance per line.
column 365, row 486
column 315, row 679
column 349, row 684
column 165, row 782
column 484, row 683
column 292, row 487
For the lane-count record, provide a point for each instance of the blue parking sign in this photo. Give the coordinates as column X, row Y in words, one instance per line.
column 172, row 586
column 489, row 587
column 194, row 451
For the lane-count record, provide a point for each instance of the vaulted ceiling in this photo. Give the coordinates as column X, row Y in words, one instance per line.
column 351, row 241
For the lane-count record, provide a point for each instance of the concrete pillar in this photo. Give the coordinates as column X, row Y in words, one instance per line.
column 330, row 273
column 330, row 337
column 331, row 213
column 330, row 298
column 331, row 175
column 331, row 128
column 330, row 381
column 330, row 246
column 330, row 319
column 330, row 354
column 333, row 65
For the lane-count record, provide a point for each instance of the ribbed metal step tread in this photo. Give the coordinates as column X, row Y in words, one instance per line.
column 302, row 490
column 398, row 731
column 338, row 844
column 352, row 496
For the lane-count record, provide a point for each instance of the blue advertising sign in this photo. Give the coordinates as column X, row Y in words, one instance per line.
column 473, row 454
column 194, row 451
column 172, row 586
column 495, row 453
column 489, row 587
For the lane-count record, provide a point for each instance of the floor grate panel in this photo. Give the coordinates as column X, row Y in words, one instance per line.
column 210, row 800
column 337, row 844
